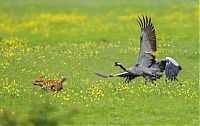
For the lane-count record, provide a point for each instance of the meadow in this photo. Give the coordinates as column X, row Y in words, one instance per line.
column 78, row 38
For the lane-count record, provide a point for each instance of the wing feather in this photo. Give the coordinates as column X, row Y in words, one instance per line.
column 172, row 68
column 147, row 42
column 124, row 74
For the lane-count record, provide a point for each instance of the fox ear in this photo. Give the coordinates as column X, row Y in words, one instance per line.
column 64, row 77
column 42, row 77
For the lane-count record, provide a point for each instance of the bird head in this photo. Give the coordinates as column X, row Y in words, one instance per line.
column 117, row 64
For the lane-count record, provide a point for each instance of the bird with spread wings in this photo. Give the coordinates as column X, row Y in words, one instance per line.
column 147, row 65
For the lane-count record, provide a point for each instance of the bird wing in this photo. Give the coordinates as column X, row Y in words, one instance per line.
column 124, row 74
column 172, row 68
column 147, row 41
column 159, row 64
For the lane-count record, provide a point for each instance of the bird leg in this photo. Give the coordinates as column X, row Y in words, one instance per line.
column 126, row 79
column 145, row 81
column 178, row 81
column 174, row 79
column 153, row 82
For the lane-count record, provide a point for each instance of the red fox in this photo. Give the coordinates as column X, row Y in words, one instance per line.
column 53, row 85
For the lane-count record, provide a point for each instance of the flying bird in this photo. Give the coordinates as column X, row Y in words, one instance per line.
column 147, row 65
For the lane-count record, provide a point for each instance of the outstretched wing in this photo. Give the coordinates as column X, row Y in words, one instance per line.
column 127, row 76
column 159, row 64
column 147, row 41
column 124, row 74
column 172, row 68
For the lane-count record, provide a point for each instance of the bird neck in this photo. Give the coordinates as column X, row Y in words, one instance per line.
column 121, row 66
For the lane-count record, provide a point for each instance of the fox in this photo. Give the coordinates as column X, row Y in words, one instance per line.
column 53, row 85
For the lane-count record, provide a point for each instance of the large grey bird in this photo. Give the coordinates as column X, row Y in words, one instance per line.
column 147, row 65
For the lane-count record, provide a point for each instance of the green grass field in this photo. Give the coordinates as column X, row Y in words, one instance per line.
column 77, row 38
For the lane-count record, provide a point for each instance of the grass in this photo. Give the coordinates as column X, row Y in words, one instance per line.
column 78, row 38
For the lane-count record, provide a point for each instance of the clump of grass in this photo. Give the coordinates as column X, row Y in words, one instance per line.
column 41, row 114
column 9, row 118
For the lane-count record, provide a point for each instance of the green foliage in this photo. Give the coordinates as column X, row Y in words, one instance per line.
column 8, row 118
column 41, row 113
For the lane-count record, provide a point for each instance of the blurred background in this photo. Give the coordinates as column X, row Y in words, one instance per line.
column 91, row 20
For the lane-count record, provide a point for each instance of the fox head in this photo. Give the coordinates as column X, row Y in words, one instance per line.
column 39, row 81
